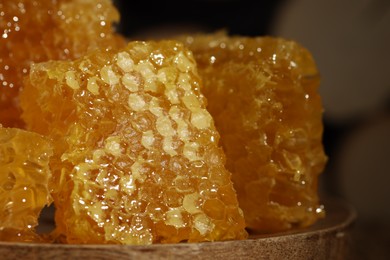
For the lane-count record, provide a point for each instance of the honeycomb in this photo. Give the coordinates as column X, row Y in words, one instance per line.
column 262, row 94
column 24, row 178
column 136, row 159
column 36, row 31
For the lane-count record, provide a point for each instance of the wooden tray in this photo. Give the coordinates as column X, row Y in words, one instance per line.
column 327, row 239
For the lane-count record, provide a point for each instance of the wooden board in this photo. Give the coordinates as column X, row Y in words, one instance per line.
column 327, row 239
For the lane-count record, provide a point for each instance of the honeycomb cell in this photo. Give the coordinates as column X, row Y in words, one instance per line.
column 35, row 31
column 136, row 152
column 262, row 94
column 24, row 179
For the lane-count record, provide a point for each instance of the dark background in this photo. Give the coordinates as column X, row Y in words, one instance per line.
column 238, row 17
column 350, row 42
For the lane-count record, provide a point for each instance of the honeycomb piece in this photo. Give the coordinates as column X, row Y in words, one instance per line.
column 262, row 94
column 24, row 178
column 137, row 160
column 35, row 31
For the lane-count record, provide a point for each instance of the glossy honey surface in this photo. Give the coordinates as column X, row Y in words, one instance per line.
column 34, row 31
column 24, row 179
column 137, row 159
column 263, row 95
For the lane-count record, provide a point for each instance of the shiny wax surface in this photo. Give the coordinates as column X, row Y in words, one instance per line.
column 138, row 160
column 262, row 94
column 24, row 179
column 34, row 31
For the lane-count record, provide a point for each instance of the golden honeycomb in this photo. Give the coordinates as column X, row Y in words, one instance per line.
column 24, row 178
column 36, row 31
column 136, row 159
column 262, row 94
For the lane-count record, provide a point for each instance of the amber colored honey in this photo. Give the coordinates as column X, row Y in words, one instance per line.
column 136, row 154
column 137, row 159
column 24, row 178
column 35, row 31
column 263, row 96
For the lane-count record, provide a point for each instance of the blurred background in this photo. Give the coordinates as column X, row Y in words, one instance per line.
column 350, row 41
